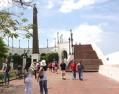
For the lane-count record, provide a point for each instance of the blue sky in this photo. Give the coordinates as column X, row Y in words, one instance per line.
column 90, row 20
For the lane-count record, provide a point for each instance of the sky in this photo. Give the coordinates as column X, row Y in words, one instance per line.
column 91, row 21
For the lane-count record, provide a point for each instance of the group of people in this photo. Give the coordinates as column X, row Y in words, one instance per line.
column 75, row 67
column 39, row 70
column 53, row 66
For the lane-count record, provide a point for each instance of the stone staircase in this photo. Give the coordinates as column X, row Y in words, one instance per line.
column 89, row 57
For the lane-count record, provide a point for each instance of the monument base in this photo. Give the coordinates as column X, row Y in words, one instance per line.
column 35, row 57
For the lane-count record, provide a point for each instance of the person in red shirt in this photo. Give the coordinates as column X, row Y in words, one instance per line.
column 73, row 68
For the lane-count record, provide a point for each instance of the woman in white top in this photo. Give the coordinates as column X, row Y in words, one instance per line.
column 28, row 82
column 42, row 78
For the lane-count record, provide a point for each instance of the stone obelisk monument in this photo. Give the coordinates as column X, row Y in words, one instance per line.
column 35, row 46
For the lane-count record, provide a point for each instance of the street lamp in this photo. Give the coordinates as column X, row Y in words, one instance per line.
column 71, row 40
column 19, row 43
column 55, row 43
column 69, row 46
column 47, row 43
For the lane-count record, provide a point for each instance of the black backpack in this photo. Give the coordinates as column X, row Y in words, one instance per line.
column 41, row 75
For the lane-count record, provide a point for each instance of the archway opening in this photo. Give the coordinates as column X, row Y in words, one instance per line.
column 64, row 54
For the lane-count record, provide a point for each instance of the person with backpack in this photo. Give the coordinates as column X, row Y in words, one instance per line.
column 42, row 78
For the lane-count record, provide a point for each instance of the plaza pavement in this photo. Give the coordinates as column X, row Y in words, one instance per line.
column 93, row 83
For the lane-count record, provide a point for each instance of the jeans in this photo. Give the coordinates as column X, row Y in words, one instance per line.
column 74, row 74
column 43, row 87
column 6, row 77
column 80, row 74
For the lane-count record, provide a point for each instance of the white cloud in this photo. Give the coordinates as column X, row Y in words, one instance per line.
column 113, row 17
column 67, row 6
column 27, row 0
column 50, row 4
column 70, row 5
column 84, row 33
column 53, row 3
column 5, row 3
column 9, row 3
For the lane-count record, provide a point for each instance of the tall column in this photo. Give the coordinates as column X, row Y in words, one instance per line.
column 35, row 45
column 35, row 32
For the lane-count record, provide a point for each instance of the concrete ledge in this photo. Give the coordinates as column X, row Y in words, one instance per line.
column 111, row 71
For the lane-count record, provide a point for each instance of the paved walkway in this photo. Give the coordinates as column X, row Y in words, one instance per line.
column 93, row 83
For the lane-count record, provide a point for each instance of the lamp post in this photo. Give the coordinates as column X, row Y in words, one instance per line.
column 55, row 43
column 71, row 40
column 12, row 45
column 19, row 43
column 28, row 44
column 69, row 46
column 47, row 43
column 57, row 37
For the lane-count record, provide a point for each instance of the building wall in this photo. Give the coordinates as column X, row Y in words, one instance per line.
column 29, row 51
column 59, row 49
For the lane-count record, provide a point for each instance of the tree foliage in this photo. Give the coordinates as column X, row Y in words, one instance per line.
column 23, row 3
column 17, row 60
column 3, row 49
column 10, row 27
column 50, row 57
column 11, row 23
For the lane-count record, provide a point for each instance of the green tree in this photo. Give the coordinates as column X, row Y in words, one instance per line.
column 17, row 60
column 50, row 57
column 10, row 24
column 43, row 56
column 3, row 49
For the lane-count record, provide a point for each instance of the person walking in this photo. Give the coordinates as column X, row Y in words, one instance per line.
column 28, row 82
column 63, row 69
column 80, row 68
column 42, row 79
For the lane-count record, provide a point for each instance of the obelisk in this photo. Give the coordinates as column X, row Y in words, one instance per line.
column 35, row 46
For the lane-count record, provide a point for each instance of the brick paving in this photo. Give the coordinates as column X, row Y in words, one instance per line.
column 93, row 83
